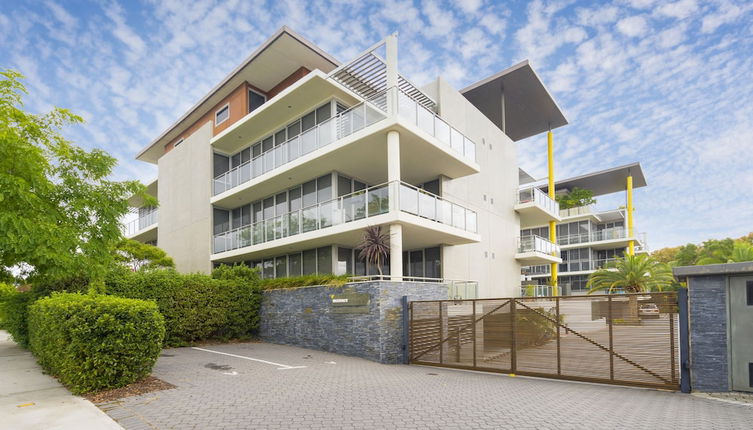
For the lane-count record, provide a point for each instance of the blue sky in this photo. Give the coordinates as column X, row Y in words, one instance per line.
column 668, row 84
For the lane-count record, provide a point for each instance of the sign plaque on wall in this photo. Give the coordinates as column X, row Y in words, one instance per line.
column 350, row 303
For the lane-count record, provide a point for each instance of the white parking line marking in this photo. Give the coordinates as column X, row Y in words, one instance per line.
column 279, row 366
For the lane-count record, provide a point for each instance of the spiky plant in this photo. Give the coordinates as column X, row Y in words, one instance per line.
column 374, row 247
column 632, row 274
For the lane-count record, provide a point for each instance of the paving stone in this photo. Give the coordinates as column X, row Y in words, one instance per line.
column 356, row 393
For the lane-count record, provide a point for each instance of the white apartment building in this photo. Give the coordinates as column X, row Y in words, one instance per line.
column 589, row 239
column 285, row 163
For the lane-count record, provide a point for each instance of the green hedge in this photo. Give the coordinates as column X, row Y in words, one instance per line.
column 196, row 307
column 303, row 281
column 94, row 342
column 15, row 311
column 6, row 292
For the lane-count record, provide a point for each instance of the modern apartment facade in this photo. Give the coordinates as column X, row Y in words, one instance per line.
column 285, row 163
column 589, row 239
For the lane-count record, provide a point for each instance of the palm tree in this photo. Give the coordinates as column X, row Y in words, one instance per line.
column 375, row 247
column 632, row 274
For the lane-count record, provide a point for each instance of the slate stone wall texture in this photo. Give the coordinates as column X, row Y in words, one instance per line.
column 707, row 297
column 304, row 317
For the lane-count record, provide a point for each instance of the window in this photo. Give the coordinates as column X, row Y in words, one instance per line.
column 221, row 221
column 324, row 260
column 309, row 262
column 221, row 164
column 222, row 115
column 344, row 261
column 255, row 100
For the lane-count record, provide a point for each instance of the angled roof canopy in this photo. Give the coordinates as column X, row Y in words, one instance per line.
column 605, row 181
column 278, row 57
column 528, row 108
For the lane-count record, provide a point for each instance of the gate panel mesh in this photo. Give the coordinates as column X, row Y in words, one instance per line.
column 629, row 339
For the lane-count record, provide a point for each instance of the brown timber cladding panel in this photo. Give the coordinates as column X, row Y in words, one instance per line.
column 628, row 339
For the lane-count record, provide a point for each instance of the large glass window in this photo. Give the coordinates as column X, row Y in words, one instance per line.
column 324, row 188
column 309, row 262
column 281, row 267
column 221, row 221
column 344, row 185
column 309, row 194
column 344, row 261
column 433, row 263
column 294, row 264
column 324, row 260
column 221, row 164
column 255, row 100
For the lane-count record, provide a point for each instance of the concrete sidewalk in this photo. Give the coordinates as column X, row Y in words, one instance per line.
column 30, row 399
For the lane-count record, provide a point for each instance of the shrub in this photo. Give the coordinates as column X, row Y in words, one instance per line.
column 196, row 307
column 303, row 281
column 236, row 272
column 6, row 291
column 94, row 342
column 14, row 308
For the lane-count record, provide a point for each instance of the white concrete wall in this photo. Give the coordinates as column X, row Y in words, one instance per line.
column 490, row 193
column 185, row 215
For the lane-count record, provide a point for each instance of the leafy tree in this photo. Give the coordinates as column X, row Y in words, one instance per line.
column 375, row 246
column 715, row 251
column 577, row 197
column 687, row 255
column 666, row 255
column 740, row 252
column 59, row 212
column 632, row 274
column 141, row 256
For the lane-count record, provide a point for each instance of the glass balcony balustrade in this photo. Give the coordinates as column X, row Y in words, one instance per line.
column 340, row 126
column 537, row 244
column 358, row 205
column 142, row 222
column 540, row 199
column 417, row 114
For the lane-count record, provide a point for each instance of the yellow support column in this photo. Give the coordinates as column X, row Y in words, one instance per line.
column 631, row 244
column 552, row 224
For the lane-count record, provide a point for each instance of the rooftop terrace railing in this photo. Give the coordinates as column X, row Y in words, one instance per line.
column 417, row 114
column 351, row 207
column 539, row 198
column 340, row 126
column 142, row 222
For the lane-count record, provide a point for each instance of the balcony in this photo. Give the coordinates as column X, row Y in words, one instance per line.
column 417, row 114
column 338, row 127
column 536, row 291
column 445, row 221
column 535, row 207
column 143, row 229
column 576, row 211
column 533, row 250
column 601, row 239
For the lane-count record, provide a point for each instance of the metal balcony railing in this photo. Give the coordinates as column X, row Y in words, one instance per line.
column 417, row 114
column 537, row 244
column 142, row 222
column 361, row 204
column 340, row 126
column 539, row 198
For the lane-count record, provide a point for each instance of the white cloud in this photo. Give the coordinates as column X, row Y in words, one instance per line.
column 469, row 6
column 671, row 94
column 633, row 26
column 679, row 9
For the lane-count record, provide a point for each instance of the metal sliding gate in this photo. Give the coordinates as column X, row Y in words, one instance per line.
column 625, row 339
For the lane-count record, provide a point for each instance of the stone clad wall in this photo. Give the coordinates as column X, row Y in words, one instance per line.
column 306, row 317
column 707, row 297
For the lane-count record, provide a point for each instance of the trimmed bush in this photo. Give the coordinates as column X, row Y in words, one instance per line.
column 95, row 342
column 303, row 281
column 15, row 309
column 6, row 291
column 196, row 307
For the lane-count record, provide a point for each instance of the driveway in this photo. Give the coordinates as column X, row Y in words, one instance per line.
column 259, row 385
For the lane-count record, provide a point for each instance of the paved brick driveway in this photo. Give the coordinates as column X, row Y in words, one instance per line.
column 218, row 391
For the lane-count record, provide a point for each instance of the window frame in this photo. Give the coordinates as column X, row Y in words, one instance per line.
column 226, row 106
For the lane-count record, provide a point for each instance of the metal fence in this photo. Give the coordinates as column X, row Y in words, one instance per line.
column 626, row 339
